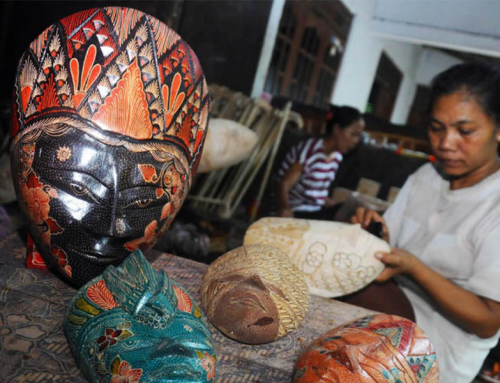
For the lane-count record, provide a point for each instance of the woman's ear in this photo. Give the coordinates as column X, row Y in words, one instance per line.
column 336, row 128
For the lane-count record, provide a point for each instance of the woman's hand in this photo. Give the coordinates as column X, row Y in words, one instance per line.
column 365, row 216
column 290, row 178
column 329, row 202
column 398, row 261
column 285, row 213
column 473, row 313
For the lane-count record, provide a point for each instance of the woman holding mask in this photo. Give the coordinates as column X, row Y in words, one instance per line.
column 444, row 226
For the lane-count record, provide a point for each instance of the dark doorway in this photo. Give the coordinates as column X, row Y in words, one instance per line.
column 420, row 108
column 385, row 88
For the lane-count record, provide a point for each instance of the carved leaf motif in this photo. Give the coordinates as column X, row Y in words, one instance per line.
column 159, row 192
column 125, row 334
column 83, row 305
column 53, row 225
column 172, row 98
column 148, row 173
column 147, row 240
column 184, row 303
column 101, row 296
column 33, row 181
column 84, row 79
column 115, row 365
column 77, row 320
column 166, row 210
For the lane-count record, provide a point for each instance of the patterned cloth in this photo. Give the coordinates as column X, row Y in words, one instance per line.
column 311, row 190
column 33, row 347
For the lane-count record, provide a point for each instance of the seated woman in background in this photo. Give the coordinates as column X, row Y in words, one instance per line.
column 444, row 226
column 309, row 168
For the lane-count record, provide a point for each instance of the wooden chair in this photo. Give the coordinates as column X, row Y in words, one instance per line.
column 221, row 191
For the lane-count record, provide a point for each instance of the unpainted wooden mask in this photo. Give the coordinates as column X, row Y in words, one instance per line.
column 254, row 294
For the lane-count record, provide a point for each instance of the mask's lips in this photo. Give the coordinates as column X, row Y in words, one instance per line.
column 95, row 256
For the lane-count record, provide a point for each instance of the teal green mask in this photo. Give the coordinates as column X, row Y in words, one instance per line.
column 133, row 324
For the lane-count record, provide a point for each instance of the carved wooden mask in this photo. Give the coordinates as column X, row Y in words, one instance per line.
column 109, row 117
column 134, row 324
column 254, row 294
column 376, row 349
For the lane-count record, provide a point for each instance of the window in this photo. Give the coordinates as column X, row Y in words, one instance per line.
column 307, row 51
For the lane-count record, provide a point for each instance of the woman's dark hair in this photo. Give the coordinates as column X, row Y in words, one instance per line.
column 342, row 115
column 480, row 80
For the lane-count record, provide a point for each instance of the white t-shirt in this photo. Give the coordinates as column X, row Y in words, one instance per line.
column 457, row 234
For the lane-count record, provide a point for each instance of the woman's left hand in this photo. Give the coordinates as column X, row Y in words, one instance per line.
column 398, row 261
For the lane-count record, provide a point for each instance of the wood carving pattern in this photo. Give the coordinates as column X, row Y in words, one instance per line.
column 79, row 74
column 134, row 324
column 375, row 349
column 125, row 111
column 254, row 294
column 336, row 258
column 117, row 106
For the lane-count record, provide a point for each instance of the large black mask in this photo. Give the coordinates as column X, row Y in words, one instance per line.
column 109, row 120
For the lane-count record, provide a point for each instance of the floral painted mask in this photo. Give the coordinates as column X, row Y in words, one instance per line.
column 110, row 112
column 376, row 349
column 133, row 324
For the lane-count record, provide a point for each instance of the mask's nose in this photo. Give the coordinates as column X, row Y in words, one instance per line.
column 116, row 222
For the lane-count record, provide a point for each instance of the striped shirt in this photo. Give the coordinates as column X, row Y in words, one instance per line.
column 311, row 190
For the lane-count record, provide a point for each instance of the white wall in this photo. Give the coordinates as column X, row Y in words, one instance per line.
column 468, row 25
column 431, row 63
column 406, row 57
column 360, row 61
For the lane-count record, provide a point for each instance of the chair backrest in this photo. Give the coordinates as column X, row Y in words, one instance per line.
column 221, row 191
column 226, row 103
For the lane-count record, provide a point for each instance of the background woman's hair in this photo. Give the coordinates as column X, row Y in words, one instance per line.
column 342, row 115
column 480, row 80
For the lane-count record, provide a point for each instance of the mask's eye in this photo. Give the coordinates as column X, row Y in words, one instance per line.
column 140, row 203
column 78, row 189
column 143, row 202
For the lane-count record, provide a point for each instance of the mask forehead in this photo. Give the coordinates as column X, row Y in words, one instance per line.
column 123, row 72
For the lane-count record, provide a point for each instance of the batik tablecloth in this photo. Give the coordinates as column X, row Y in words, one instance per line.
column 33, row 347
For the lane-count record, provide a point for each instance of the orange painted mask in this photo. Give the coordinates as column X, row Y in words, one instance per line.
column 376, row 349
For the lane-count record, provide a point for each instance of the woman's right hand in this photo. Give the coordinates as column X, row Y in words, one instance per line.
column 365, row 216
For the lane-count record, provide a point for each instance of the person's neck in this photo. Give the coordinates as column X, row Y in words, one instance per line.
column 329, row 145
column 475, row 176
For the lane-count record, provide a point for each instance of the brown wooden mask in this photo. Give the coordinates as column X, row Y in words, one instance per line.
column 254, row 294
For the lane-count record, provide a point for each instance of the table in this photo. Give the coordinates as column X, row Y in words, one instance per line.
column 33, row 347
